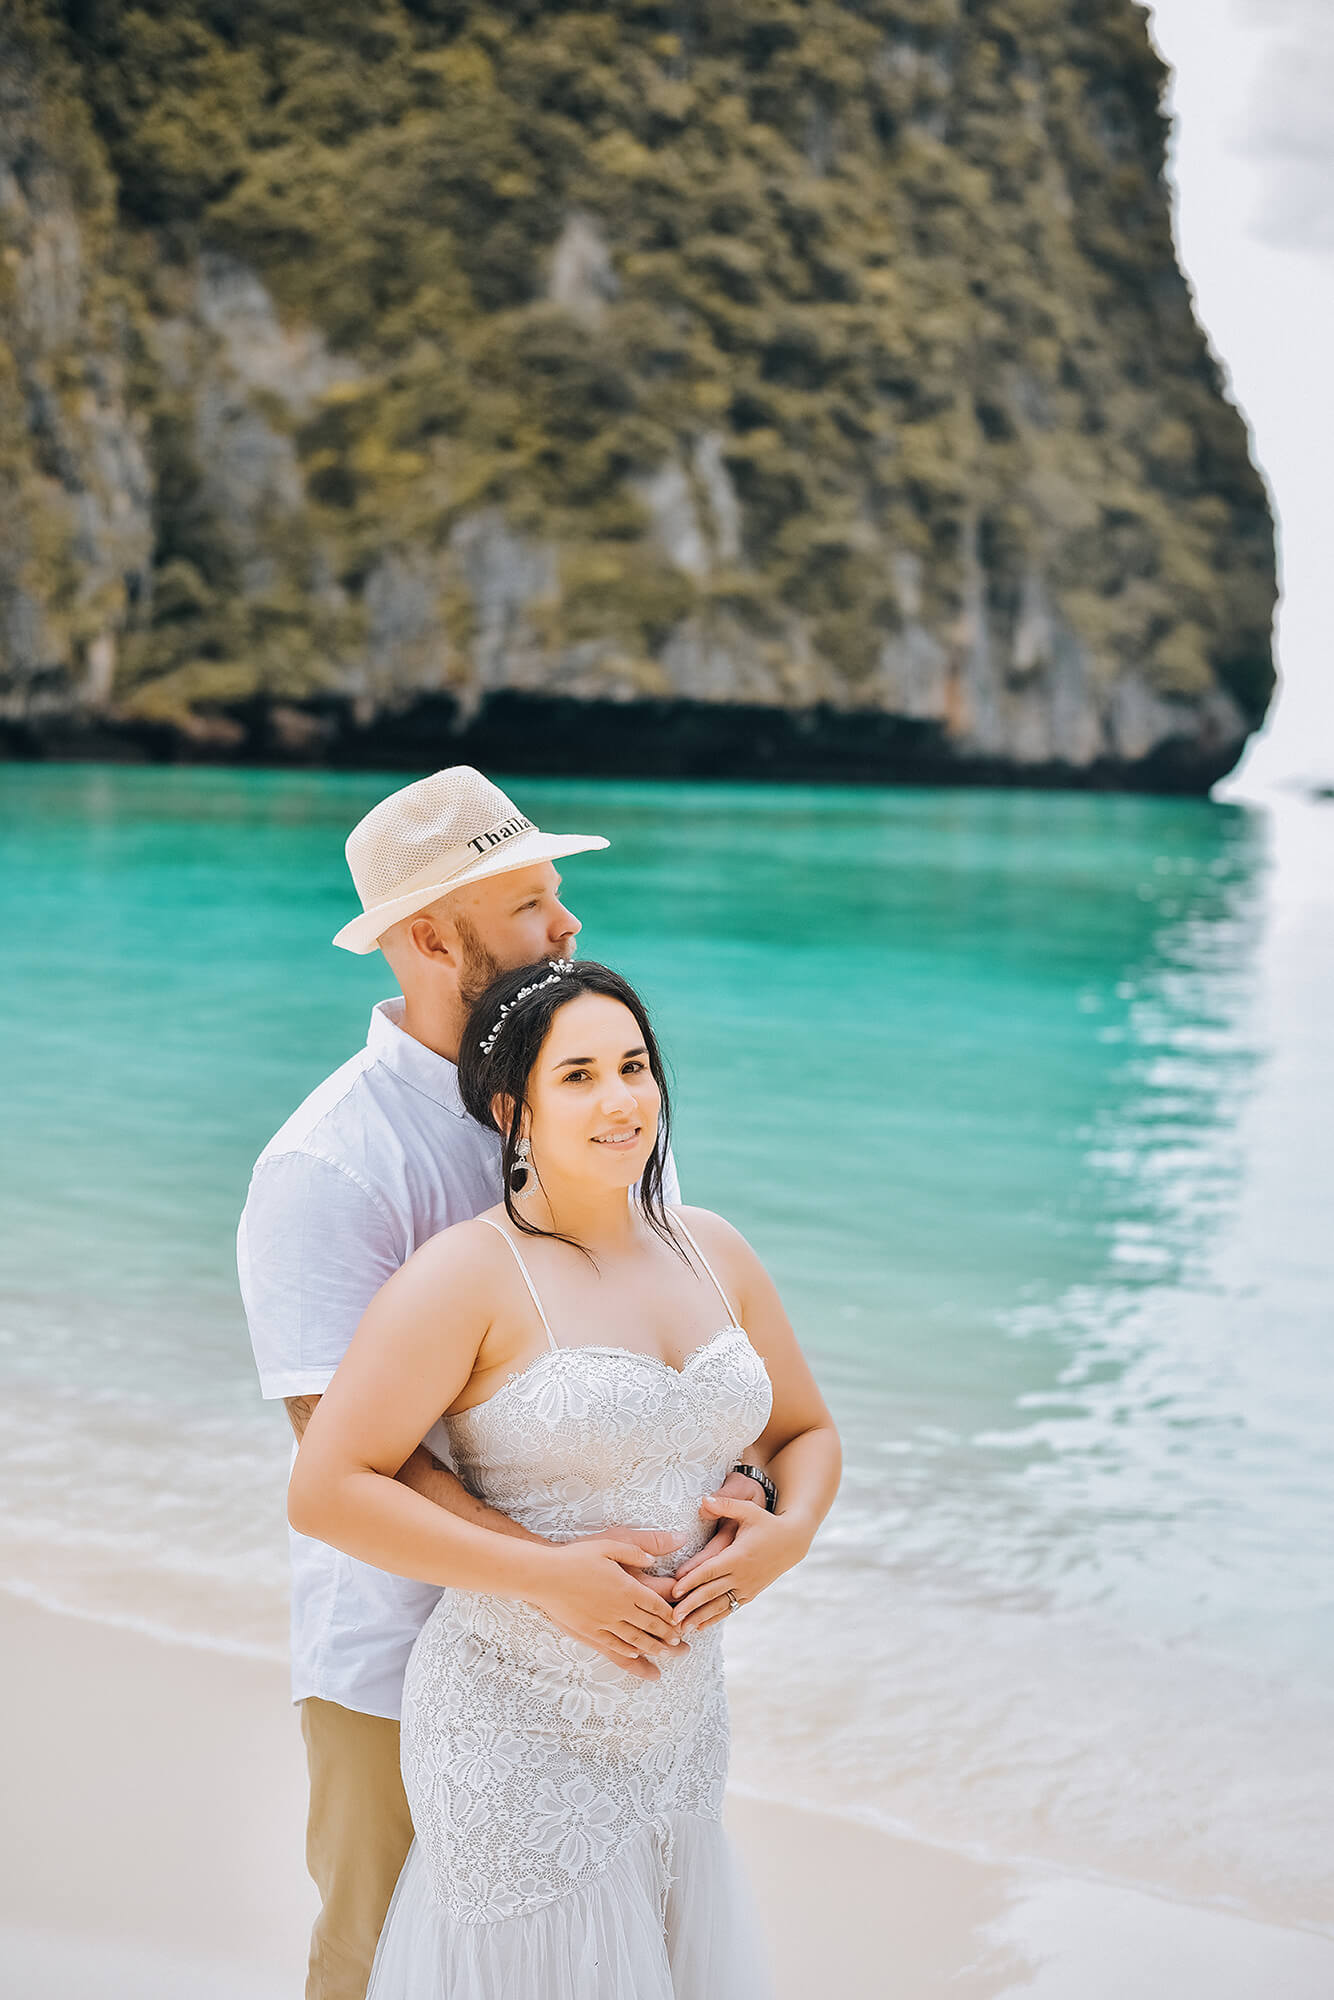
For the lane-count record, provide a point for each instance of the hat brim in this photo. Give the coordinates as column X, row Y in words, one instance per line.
column 365, row 931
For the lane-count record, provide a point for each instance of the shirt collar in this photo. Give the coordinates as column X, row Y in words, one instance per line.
column 433, row 1074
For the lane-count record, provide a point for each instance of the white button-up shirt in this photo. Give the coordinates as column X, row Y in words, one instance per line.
column 379, row 1158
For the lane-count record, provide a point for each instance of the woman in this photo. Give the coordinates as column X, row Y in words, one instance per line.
column 586, row 1346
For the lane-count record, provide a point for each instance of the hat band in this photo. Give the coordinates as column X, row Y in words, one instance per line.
column 453, row 861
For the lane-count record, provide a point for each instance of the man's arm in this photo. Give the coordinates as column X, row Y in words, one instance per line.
column 298, row 1410
column 425, row 1475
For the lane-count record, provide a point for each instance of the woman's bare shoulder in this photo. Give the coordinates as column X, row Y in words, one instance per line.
column 718, row 1238
column 465, row 1254
column 707, row 1222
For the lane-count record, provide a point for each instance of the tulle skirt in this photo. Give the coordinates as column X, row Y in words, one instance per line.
column 667, row 1919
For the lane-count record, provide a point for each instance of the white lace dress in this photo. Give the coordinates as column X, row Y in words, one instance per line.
column 568, row 1816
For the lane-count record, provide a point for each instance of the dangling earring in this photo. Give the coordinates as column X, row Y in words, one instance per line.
column 519, row 1171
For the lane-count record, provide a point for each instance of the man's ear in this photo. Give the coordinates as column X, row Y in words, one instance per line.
column 432, row 938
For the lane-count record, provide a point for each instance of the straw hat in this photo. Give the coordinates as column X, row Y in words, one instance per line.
column 434, row 836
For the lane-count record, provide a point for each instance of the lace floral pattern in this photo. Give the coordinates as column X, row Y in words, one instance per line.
column 529, row 1760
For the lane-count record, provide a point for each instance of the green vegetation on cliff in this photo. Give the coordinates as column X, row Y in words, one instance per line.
column 835, row 337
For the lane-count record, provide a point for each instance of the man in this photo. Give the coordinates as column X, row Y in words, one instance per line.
column 456, row 886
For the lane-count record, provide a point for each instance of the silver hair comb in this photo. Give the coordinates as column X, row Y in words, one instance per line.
column 561, row 968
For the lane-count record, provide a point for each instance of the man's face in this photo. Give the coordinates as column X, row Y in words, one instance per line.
column 508, row 921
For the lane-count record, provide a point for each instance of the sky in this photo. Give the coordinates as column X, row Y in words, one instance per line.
column 1252, row 165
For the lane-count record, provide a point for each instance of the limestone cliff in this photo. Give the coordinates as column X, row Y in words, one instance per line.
column 675, row 386
column 76, row 492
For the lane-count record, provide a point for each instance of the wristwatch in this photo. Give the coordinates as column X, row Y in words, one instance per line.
column 761, row 1479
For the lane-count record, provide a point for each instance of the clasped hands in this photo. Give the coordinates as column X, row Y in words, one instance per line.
column 595, row 1589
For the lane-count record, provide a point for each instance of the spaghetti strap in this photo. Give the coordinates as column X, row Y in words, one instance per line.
column 523, row 1269
column 690, row 1239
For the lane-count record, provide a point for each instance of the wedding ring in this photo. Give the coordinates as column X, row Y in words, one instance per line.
column 734, row 1600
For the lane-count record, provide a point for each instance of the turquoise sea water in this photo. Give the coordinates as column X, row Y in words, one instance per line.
column 1027, row 1099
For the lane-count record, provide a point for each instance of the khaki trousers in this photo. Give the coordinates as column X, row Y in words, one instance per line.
column 357, row 1838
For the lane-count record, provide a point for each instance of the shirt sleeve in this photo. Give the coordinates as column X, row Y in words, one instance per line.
column 314, row 1246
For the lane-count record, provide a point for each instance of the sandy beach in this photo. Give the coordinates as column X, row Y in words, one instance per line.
column 152, row 1849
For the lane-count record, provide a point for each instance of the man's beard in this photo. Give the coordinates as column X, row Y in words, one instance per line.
column 480, row 966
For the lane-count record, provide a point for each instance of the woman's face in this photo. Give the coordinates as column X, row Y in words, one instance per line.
column 593, row 1098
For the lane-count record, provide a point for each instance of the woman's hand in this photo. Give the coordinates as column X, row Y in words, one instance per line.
column 736, row 1486
column 762, row 1547
column 650, row 1649
column 588, row 1590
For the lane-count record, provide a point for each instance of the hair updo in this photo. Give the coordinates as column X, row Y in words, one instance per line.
column 503, row 1070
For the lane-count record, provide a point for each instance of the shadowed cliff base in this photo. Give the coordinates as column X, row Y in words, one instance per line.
column 563, row 737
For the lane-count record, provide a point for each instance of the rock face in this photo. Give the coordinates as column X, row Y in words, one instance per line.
column 76, row 491
column 661, row 387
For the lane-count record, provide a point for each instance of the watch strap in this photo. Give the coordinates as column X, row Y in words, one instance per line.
column 762, row 1480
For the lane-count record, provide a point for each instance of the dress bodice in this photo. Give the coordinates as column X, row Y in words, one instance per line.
column 589, row 1437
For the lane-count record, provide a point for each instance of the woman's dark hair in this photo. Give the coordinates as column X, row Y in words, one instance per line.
column 503, row 1069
